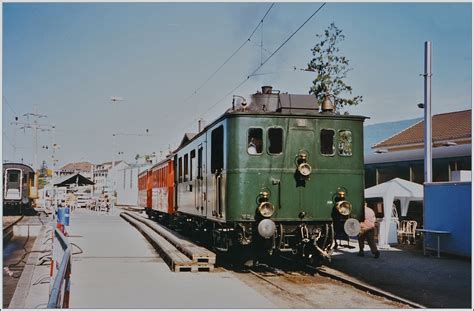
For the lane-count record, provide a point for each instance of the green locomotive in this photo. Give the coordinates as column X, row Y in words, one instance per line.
column 274, row 175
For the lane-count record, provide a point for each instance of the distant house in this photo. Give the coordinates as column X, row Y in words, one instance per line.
column 83, row 168
column 402, row 154
column 103, row 174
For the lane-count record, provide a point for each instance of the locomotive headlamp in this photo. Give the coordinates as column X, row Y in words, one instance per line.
column 341, row 194
column 344, row 207
column 304, row 169
column 266, row 228
column 264, row 195
column 266, row 209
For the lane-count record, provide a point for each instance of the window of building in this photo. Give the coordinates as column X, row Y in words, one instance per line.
column 255, row 140
column 275, row 140
column 327, row 142
column 217, row 149
column 345, row 143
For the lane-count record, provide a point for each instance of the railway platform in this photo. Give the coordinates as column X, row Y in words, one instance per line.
column 404, row 271
column 114, row 266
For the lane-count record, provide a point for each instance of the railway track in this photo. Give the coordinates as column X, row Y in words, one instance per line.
column 333, row 274
column 266, row 273
column 8, row 223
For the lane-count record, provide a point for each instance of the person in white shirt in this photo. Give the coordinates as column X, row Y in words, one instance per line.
column 252, row 149
column 367, row 232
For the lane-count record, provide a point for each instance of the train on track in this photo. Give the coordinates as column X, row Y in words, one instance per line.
column 274, row 174
column 19, row 189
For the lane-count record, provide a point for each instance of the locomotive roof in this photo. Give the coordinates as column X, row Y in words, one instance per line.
column 21, row 166
column 270, row 103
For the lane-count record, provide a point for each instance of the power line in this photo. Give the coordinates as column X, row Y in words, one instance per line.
column 230, row 57
column 288, row 39
column 266, row 60
column 9, row 106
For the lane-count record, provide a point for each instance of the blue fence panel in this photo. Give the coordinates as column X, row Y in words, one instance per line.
column 448, row 208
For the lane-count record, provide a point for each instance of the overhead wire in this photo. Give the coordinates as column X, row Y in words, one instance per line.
column 266, row 60
column 9, row 106
column 231, row 56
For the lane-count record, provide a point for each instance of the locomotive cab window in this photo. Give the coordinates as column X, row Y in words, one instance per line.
column 180, row 170
column 345, row 143
column 255, row 141
column 327, row 142
column 186, row 167
column 217, row 149
column 13, row 176
column 192, row 164
column 275, row 141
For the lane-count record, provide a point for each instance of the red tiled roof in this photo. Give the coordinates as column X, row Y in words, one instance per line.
column 445, row 127
column 78, row 166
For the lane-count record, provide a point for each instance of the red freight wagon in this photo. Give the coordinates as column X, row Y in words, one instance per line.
column 162, row 188
column 142, row 189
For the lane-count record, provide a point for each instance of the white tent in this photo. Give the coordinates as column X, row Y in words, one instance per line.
column 395, row 189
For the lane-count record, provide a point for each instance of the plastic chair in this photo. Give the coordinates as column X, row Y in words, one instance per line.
column 402, row 231
column 412, row 224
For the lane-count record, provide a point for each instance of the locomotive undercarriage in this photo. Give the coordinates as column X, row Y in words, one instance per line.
column 310, row 241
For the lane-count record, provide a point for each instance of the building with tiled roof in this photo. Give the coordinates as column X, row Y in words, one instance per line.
column 402, row 154
column 448, row 129
column 85, row 168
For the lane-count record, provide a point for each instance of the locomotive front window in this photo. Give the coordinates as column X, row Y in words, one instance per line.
column 255, row 141
column 275, row 140
column 327, row 142
column 13, row 177
column 345, row 143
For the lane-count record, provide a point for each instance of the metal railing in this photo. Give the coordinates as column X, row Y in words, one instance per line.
column 59, row 295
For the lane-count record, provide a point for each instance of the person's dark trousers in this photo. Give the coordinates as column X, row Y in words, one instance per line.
column 369, row 236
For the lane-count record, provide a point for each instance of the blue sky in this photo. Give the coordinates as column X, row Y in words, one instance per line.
column 69, row 59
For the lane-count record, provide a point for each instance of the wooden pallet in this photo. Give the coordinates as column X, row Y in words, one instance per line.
column 197, row 253
column 176, row 260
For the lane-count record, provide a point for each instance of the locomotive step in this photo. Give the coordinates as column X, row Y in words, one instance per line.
column 176, row 260
column 197, row 253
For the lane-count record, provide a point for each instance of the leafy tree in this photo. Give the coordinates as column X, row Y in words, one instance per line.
column 331, row 69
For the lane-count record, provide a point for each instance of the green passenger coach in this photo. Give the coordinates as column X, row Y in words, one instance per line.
column 276, row 174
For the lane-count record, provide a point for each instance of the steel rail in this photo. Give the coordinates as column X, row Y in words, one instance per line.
column 327, row 272
column 62, row 280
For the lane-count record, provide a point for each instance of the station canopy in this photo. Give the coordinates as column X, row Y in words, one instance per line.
column 76, row 179
column 396, row 189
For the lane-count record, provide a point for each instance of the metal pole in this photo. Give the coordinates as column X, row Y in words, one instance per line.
column 427, row 104
column 113, row 175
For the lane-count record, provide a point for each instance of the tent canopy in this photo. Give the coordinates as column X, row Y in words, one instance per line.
column 395, row 189
column 72, row 180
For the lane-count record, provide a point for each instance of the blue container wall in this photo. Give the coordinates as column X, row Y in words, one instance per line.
column 448, row 208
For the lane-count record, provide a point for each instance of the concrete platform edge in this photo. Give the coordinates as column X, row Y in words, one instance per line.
column 24, row 284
